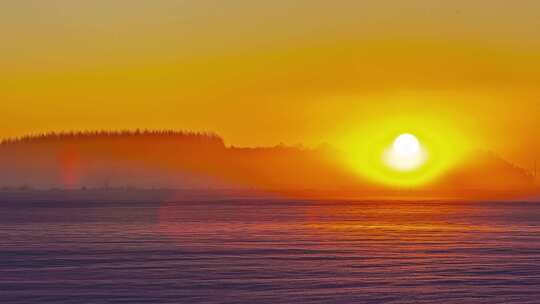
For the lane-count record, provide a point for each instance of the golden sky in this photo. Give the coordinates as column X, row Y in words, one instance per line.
column 265, row 72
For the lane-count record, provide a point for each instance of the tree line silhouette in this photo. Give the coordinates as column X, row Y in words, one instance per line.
column 208, row 138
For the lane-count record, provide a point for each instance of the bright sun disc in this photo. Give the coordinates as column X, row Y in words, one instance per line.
column 405, row 150
column 405, row 154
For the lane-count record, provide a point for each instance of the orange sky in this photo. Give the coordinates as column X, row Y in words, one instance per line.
column 265, row 72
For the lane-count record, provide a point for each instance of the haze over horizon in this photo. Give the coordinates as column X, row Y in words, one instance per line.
column 186, row 160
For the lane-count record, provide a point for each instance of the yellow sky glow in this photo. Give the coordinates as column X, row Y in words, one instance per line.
column 261, row 73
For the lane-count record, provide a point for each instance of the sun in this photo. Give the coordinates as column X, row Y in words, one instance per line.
column 405, row 154
column 407, row 150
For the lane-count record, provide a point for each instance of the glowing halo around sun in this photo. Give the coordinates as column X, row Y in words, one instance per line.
column 405, row 151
